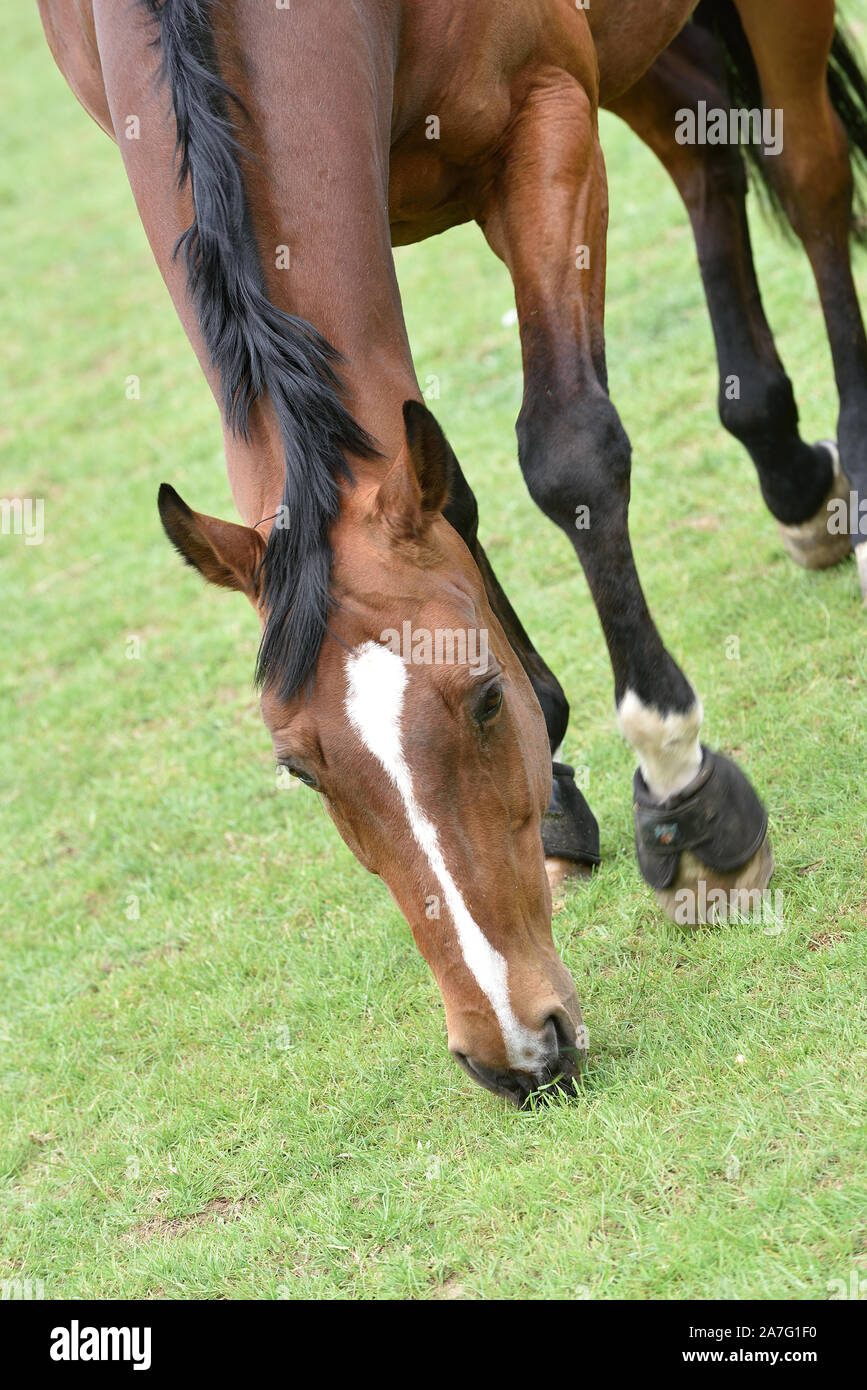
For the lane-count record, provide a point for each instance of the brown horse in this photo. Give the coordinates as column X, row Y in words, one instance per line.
column 304, row 142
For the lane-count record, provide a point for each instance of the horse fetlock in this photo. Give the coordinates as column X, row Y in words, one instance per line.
column 752, row 406
column 667, row 744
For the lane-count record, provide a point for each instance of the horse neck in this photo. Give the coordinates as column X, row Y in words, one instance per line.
column 317, row 129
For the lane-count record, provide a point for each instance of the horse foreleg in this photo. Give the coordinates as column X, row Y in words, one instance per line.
column 699, row 824
column 570, row 833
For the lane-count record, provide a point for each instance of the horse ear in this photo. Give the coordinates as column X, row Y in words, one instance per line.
column 222, row 552
column 410, row 497
column 431, row 455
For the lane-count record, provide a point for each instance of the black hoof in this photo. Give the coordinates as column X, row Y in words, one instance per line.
column 718, row 819
column 569, row 828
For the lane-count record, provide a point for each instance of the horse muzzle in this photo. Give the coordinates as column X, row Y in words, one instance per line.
column 558, row 1071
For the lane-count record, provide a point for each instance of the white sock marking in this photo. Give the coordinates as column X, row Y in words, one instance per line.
column 377, row 678
column 667, row 745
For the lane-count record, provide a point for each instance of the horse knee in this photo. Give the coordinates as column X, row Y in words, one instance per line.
column 576, row 459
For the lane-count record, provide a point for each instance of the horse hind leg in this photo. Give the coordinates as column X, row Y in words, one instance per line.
column 791, row 43
column 756, row 401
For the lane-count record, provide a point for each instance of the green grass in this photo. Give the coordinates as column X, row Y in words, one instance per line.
column 223, row 1060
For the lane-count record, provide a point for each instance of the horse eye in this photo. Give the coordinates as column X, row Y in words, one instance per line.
column 490, row 704
column 300, row 774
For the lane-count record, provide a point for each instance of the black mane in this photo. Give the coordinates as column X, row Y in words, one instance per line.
column 257, row 348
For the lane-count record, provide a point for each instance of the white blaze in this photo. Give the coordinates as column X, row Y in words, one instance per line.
column 377, row 679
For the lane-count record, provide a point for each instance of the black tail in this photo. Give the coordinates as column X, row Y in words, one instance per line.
column 257, row 349
column 847, row 86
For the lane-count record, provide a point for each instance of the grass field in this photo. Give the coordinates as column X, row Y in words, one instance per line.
column 223, row 1060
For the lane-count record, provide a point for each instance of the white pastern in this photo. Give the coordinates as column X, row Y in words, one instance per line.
column 377, row 679
column 667, row 745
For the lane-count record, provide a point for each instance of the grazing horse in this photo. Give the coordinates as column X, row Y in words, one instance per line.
column 303, row 142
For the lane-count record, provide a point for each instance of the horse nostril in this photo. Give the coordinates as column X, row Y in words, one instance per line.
column 552, row 1044
column 568, row 1040
column 564, row 1053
